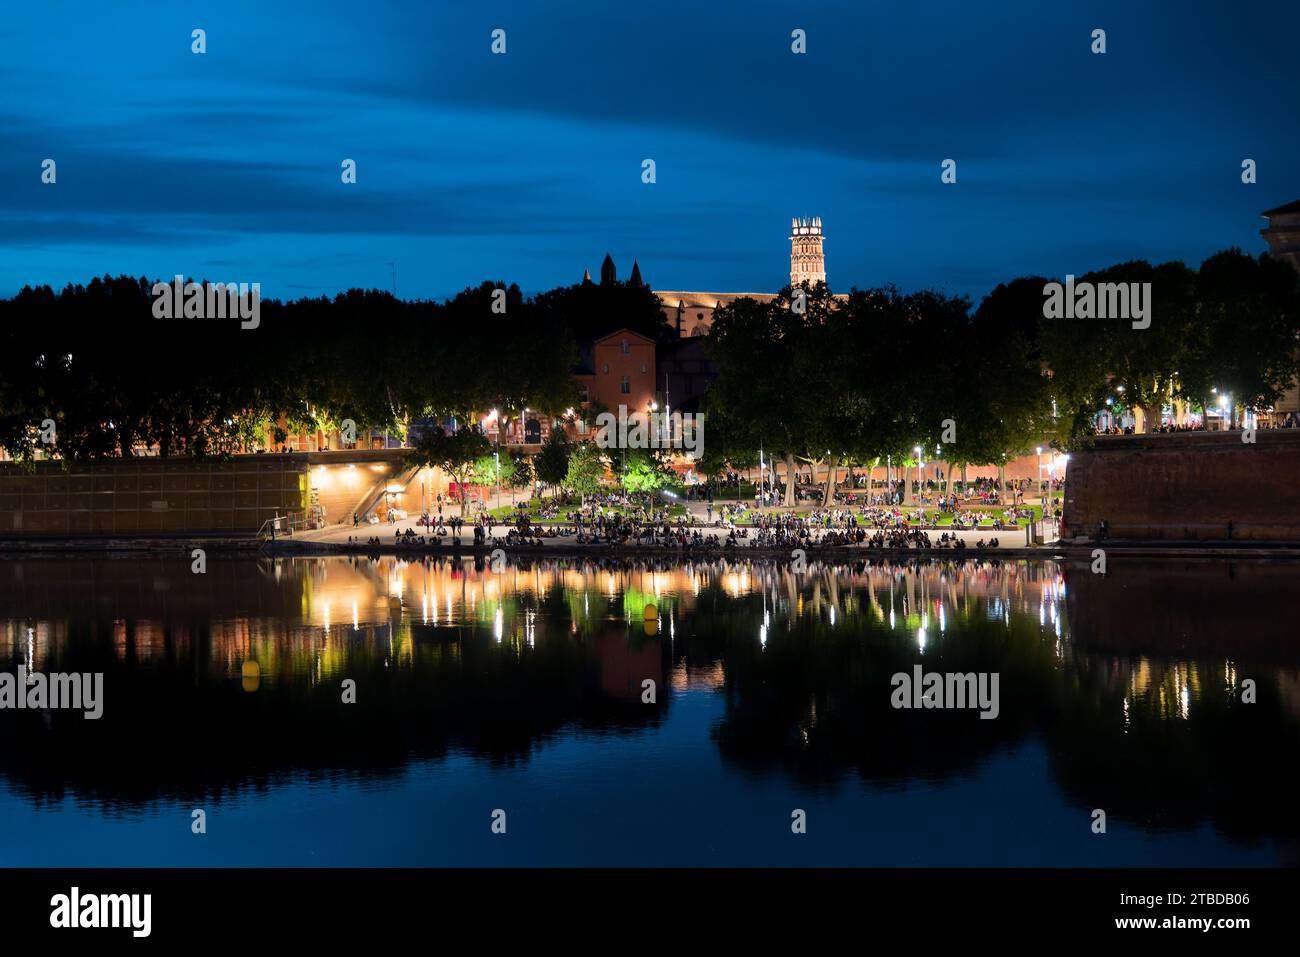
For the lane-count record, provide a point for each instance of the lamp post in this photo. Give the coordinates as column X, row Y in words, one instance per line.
column 919, row 465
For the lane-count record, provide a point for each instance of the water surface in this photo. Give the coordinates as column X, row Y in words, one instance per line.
column 523, row 691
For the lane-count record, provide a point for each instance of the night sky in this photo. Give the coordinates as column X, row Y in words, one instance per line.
column 527, row 167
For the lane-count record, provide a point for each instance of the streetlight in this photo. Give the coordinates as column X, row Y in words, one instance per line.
column 919, row 466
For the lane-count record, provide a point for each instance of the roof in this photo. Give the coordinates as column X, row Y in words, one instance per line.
column 714, row 300
column 709, row 300
column 1293, row 207
column 623, row 334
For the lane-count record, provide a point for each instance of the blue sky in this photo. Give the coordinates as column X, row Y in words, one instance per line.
column 527, row 167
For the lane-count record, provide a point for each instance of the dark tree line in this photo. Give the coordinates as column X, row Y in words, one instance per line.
column 845, row 381
column 879, row 374
column 95, row 362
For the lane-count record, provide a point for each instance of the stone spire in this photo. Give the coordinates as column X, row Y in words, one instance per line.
column 635, row 278
column 586, row 277
column 608, row 274
column 807, row 261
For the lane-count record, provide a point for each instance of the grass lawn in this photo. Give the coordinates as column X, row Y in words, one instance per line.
column 946, row 520
column 534, row 506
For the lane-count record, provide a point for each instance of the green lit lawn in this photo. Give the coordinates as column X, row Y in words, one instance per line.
column 944, row 520
column 534, row 506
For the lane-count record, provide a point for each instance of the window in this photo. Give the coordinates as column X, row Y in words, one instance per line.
column 605, row 368
column 643, row 368
column 625, row 346
column 582, row 426
column 583, row 394
column 625, row 386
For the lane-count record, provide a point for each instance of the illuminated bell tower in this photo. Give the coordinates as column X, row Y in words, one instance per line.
column 807, row 262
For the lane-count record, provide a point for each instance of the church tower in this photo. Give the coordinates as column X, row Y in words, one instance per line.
column 807, row 263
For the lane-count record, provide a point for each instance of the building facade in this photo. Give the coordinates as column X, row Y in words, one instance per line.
column 1283, row 233
column 1283, row 237
column 617, row 369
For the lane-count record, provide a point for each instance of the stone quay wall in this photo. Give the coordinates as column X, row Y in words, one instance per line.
column 1192, row 486
column 143, row 496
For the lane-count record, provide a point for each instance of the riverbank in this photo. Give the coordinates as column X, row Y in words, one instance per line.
column 568, row 549
column 129, row 546
column 298, row 547
column 334, row 541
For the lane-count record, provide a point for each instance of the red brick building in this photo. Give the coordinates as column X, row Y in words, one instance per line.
column 617, row 369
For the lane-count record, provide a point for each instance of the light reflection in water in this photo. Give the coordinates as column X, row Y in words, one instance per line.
column 380, row 593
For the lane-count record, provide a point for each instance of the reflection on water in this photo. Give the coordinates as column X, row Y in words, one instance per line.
column 530, row 690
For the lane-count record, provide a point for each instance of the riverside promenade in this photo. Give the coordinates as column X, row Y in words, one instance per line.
column 346, row 538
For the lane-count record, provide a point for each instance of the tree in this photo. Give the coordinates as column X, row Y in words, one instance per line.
column 552, row 462
column 885, row 409
column 488, row 472
column 645, row 470
column 455, row 453
column 523, row 474
column 586, row 469
column 999, row 390
column 1247, row 319
column 1144, row 361
column 763, row 396
column 587, row 311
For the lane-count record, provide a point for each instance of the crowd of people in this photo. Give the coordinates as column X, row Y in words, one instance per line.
column 619, row 518
column 1168, row 426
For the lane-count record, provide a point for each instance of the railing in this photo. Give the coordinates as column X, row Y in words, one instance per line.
column 284, row 525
